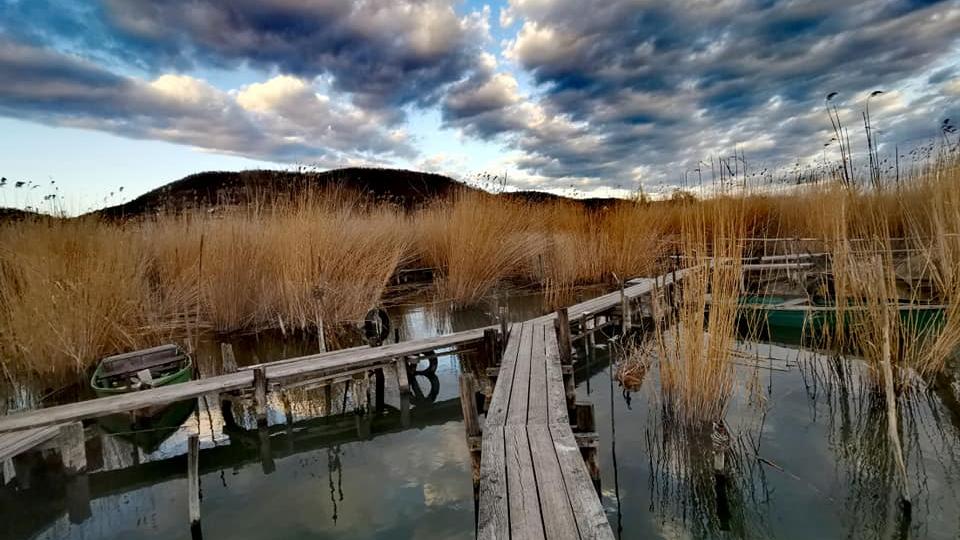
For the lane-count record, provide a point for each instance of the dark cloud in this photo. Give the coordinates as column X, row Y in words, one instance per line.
column 281, row 119
column 386, row 53
column 648, row 89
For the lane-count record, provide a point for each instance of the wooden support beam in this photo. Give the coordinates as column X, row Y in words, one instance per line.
column 260, row 394
column 73, row 452
column 471, row 423
column 489, row 347
column 403, row 382
column 626, row 318
column 563, row 336
column 229, row 361
column 193, row 484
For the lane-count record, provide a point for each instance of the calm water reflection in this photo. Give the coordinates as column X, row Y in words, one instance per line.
column 809, row 458
column 330, row 474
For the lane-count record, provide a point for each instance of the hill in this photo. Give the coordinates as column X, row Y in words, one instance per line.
column 408, row 189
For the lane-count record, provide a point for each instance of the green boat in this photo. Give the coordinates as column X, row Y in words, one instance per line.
column 790, row 320
column 140, row 370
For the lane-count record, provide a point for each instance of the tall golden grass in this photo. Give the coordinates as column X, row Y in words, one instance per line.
column 74, row 290
column 696, row 375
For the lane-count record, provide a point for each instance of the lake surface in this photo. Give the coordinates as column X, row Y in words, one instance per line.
column 332, row 473
column 808, row 458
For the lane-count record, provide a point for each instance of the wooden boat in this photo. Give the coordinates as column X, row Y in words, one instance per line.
column 793, row 318
column 139, row 370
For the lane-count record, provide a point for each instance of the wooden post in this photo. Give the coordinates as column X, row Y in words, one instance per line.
column 9, row 473
column 588, row 324
column 586, row 425
column 229, row 361
column 471, row 423
column 626, row 319
column 260, row 394
column 73, row 452
column 563, row 336
column 328, row 399
column 380, row 387
column 502, row 316
column 490, row 347
column 193, row 484
column 403, row 382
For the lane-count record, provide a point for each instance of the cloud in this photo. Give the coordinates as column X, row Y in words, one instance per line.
column 281, row 119
column 384, row 53
column 586, row 94
column 638, row 90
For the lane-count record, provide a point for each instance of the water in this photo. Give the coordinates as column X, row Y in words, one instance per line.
column 332, row 473
column 808, row 459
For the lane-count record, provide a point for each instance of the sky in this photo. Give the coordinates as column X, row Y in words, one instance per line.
column 104, row 100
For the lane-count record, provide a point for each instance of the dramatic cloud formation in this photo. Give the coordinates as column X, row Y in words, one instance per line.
column 642, row 88
column 591, row 94
column 281, row 119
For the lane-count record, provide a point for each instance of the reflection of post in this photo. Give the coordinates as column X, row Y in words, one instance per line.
column 266, row 453
column 193, row 484
column 78, row 498
column 73, row 456
column 721, row 442
column 587, row 440
column 471, row 424
column 403, row 383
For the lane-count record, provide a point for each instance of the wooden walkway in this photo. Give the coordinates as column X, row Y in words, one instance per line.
column 318, row 366
column 533, row 481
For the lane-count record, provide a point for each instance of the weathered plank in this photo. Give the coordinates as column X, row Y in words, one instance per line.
column 493, row 519
column 520, row 393
column 497, row 411
column 537, row 400
column 522, row 495
column 556, row 391
column 558, row 518
column 591, row 521
column 133, row 401
column 14, row 444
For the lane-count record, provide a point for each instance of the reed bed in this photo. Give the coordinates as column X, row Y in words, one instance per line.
column 696, row 374
column 74, row 290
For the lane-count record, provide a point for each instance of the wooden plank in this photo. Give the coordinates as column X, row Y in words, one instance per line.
column 14, row 444
column 95, row 408
column 331, row 363
column 520, row 392
column 500, row 402
column 537, row 408
column 493, row 519
column 558, row 518
column 591, row 520
column 556, row 392
column 468, row 402
column 522, row 496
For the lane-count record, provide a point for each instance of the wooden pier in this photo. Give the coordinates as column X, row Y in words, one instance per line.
column 535, row 454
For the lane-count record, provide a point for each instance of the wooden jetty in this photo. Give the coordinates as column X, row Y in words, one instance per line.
column 534, row 455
